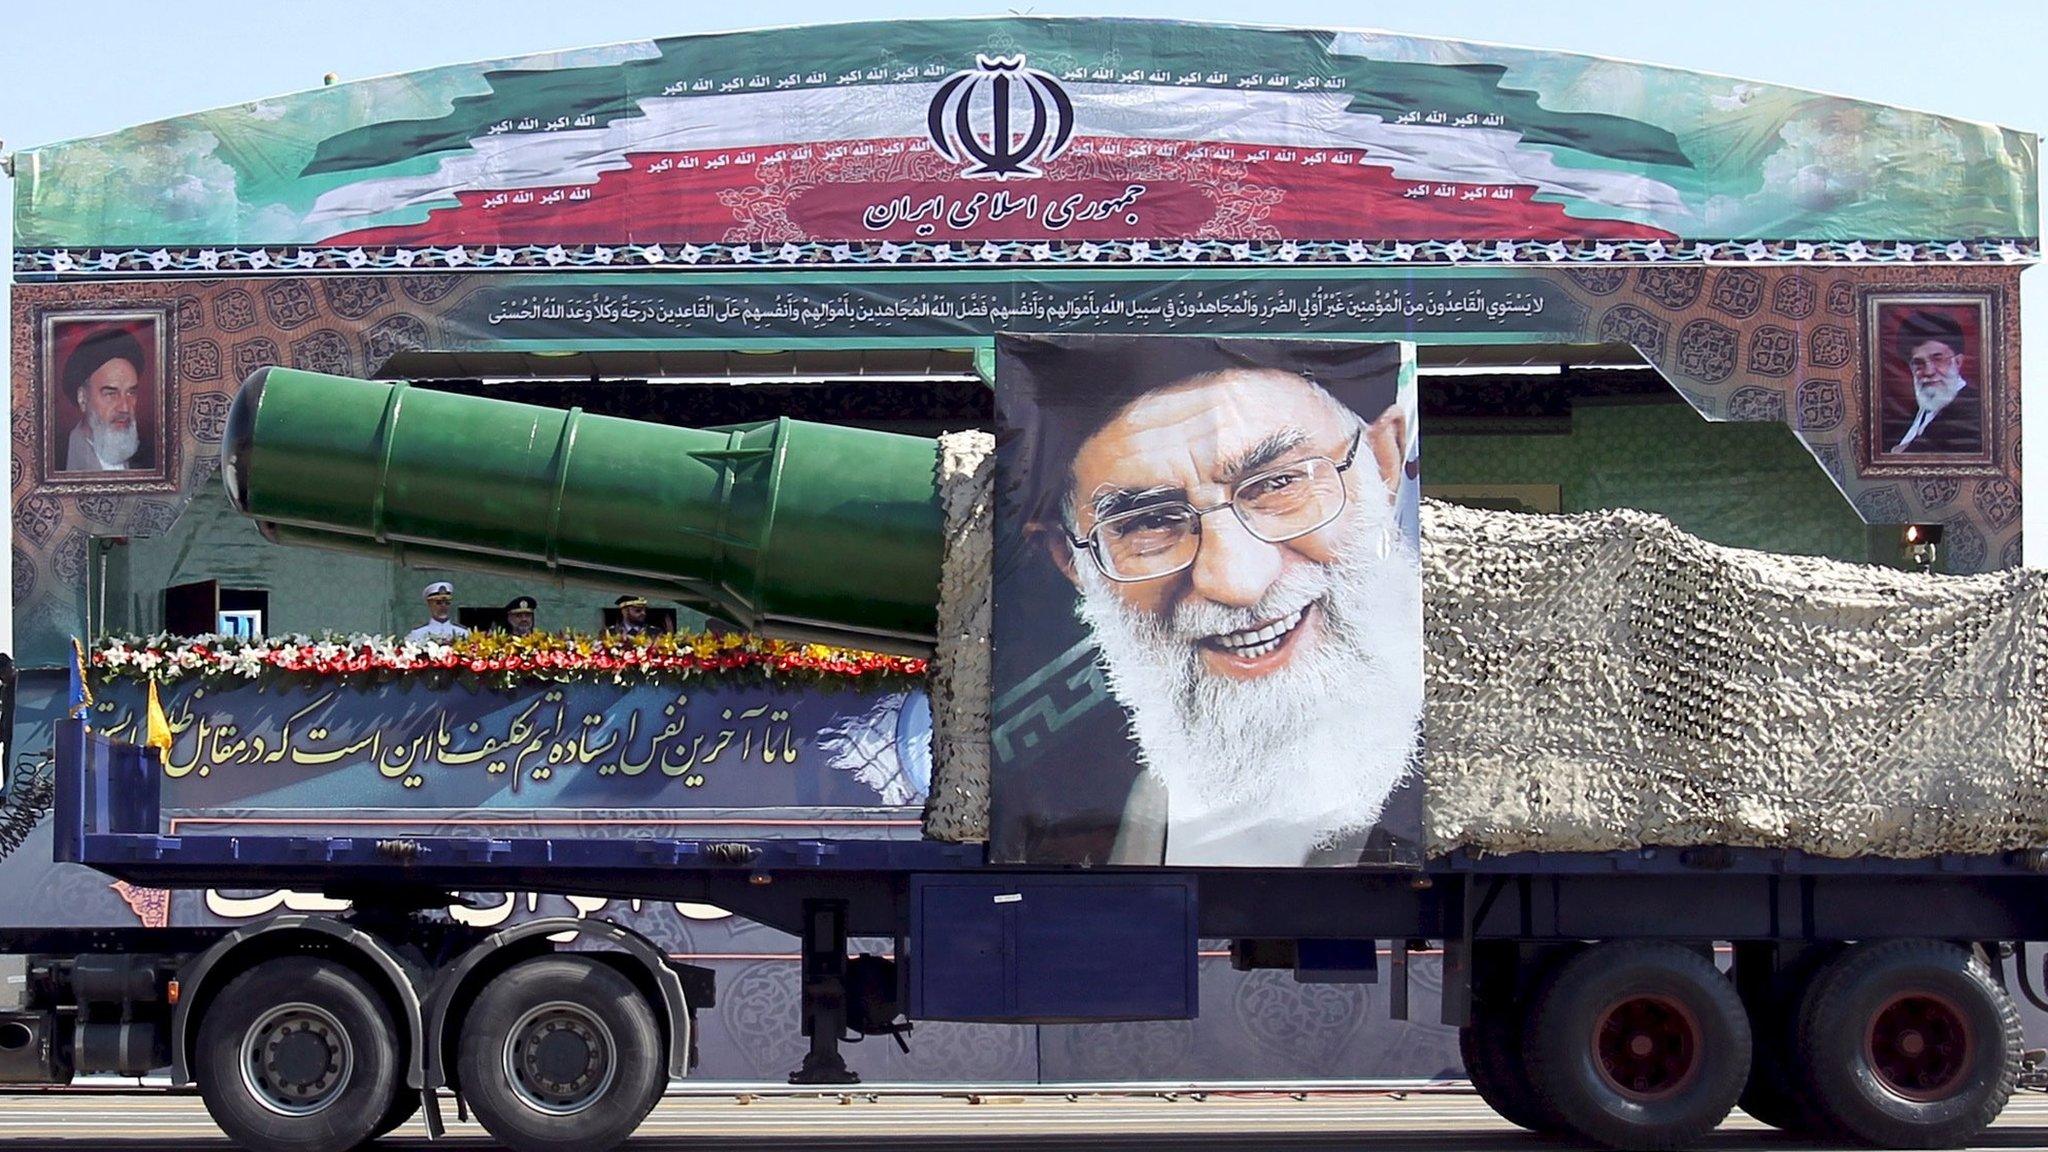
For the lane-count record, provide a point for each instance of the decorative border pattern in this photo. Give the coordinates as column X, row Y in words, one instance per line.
column 85, row 263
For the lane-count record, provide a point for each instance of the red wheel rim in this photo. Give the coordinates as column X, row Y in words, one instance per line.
column 1920, row 1045
column 1646, row 1047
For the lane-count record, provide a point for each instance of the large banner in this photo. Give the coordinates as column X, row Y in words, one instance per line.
column 1227, row 529
column 397, row 758
column 1022, row 141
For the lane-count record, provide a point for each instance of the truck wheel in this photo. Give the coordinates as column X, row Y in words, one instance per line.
column 1638, row 1045
column 561, row 1051
column 1910, row 1043
column 297, row 1054
column 1491, row 1048
column 404, row 1106
column 1776, row 1093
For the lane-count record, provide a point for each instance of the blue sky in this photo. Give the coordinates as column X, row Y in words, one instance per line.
column 79, row 67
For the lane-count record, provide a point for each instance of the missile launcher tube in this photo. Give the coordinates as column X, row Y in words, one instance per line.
column 788, row 528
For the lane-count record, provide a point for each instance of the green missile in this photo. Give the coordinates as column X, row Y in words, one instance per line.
column 788, row 528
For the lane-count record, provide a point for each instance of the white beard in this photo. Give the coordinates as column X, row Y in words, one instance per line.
column 114, row 446
column 1297, row 759
column 1934, row 397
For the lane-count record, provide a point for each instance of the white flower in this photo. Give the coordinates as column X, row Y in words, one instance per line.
column 1557, row 251
column 1802, row 251
column 789, row 254
column 1603, row 251
column 1654, row 250
column 1455, row 250
column 1357, row 251
column 555, row 254
column 691, row 253
column 601, row 254
column 160, row 259
column 61, row 261
column 1404, row 251
column 1088, row 251
column 1757, row 250
column 1855, row 250
column 1903, row 252
column 990, row 252
column 890, row 251
column 652, row 253
column 1041, row 252
column 1958, row 251
column 1141, row 250
column 1505, row 251
column 1289, row 252
column 456, row 256
column 259, row 259
column 1240, row 251
column 842, row 253
column 356, row 258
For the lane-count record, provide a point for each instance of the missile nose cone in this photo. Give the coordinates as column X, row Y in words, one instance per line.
column 239, row 437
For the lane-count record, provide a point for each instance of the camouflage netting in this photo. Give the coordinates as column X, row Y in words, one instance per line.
column 957, row 809
column 1604, row 681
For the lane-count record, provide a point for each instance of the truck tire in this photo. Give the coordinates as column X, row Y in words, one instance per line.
column 1492, row 1051
column 1776, row 1093
column 298, row 1054
column 404, row 1106
column 1640, row 1045
column 561, row 1052
column 1910, row 1044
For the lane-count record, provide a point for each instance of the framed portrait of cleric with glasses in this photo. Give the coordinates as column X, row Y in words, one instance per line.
column 1208, row 603
column 104, row 384
column 1932, row 381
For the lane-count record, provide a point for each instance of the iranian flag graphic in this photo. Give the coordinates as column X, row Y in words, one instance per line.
column 999, row 150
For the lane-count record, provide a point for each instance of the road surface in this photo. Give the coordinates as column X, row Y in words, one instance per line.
column 1435, row 1120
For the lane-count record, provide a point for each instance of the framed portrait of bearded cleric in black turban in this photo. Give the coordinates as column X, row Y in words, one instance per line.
column 1934, row 382
column 104, row 399
column 1208, row 603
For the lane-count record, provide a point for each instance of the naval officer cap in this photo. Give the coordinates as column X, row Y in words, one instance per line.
column 440, row 588
column 521, row 604
column 630, row 601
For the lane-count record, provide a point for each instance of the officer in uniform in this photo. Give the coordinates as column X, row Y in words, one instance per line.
column 440, row 597
column 519, row 615
column 633, row 617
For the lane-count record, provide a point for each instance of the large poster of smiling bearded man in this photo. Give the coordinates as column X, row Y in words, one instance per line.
column 1208, row 603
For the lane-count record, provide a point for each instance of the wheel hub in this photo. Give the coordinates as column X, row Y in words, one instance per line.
column 560, row 1059
column 1920, row 1045
column 296, row 1059
column 1646, row 1047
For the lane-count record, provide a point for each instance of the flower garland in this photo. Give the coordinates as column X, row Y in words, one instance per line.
column 498, row 659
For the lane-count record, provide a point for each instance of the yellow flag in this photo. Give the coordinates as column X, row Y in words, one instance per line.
column 81, row 701
column 159, row 724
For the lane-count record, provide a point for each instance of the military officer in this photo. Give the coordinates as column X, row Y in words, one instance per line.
column 519, row 615
column 440, row 596
column 633, row 617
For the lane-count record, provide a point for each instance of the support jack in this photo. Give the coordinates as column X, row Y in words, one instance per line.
column 824, row 994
